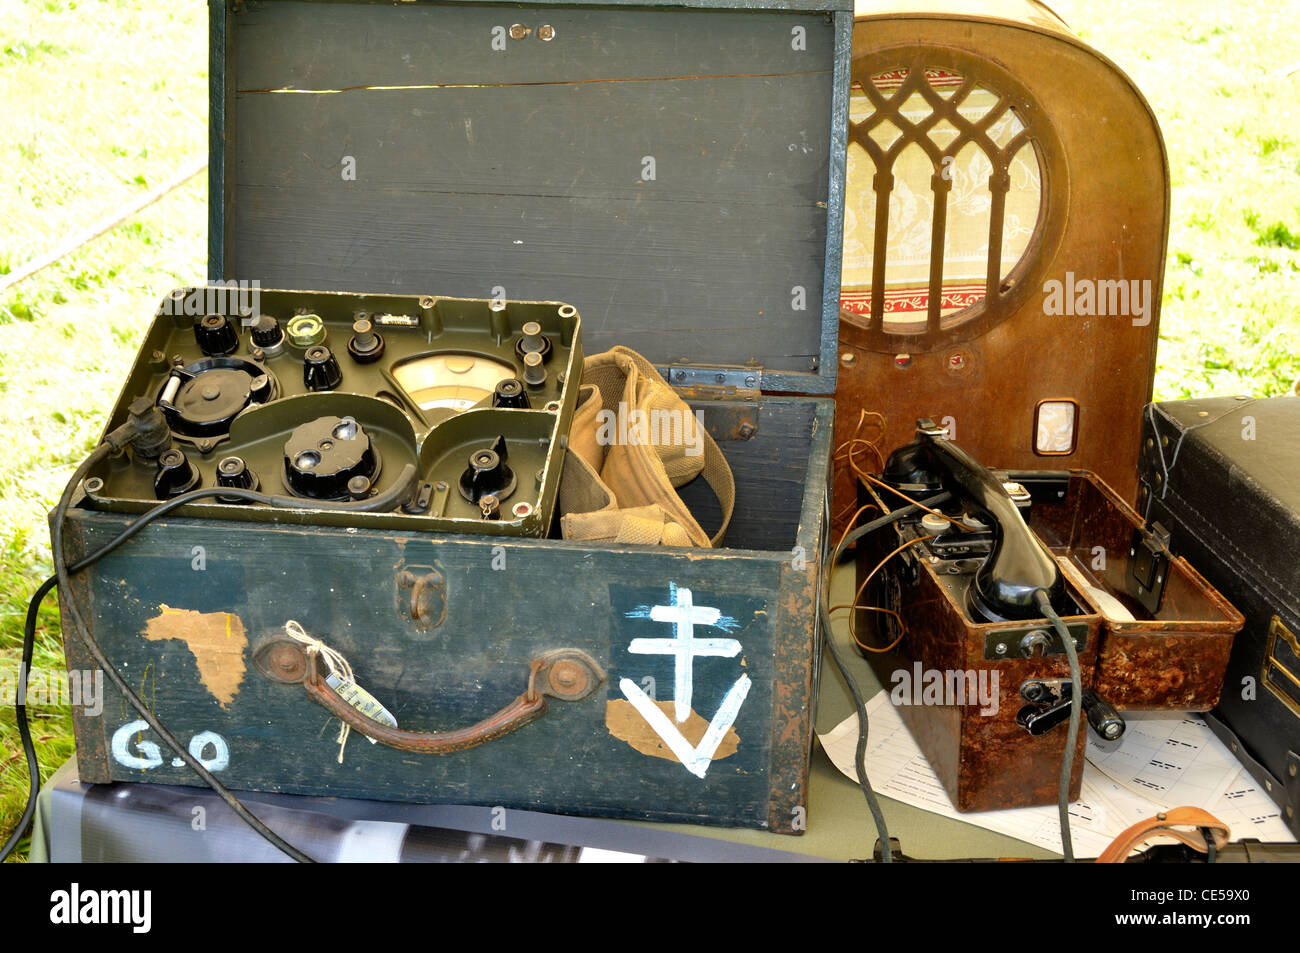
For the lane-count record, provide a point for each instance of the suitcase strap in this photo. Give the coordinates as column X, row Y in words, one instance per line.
column 1208, row 833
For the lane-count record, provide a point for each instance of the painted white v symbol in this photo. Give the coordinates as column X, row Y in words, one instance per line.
column 696, row 758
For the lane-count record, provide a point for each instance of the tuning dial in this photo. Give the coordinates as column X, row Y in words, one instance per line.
column 324, row 457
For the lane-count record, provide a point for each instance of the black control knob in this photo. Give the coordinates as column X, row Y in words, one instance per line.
column 320, row 369
column 267, row 334
column 215, row 335
column 175, row 475
column 234, row 472
column 323, row 457
column 510, row 393
column 488, row 474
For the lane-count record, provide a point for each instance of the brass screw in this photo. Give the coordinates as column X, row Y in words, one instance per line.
column 518, row 31
column 847, row 358
column 546, row 32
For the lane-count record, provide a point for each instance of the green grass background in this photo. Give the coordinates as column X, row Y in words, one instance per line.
column 102, row 99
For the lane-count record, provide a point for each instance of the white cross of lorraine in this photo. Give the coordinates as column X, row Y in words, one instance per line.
column 684, row 646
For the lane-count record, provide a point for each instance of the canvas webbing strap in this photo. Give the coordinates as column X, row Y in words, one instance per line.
column 626, row 492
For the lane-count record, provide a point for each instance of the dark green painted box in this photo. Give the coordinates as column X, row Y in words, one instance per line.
column 675, row 171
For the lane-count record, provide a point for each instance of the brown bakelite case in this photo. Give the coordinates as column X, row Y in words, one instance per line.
column 1134, row 658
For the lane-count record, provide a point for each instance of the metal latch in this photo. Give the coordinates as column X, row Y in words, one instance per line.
column 735, row 388
column 1148, row 566
column 1281, row 667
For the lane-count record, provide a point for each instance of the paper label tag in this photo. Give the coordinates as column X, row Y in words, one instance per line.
column 361, row 700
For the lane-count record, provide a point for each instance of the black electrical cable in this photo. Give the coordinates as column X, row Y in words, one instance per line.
column 82, row 632
column 380, row 502
column 823, row 608
column 1076, row 707
column 20, row 714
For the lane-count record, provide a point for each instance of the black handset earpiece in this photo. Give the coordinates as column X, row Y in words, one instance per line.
column 1018, row 564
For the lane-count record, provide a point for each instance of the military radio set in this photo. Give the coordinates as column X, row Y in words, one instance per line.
column 436, row 414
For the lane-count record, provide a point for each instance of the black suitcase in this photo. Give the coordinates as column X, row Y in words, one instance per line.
column 1219, row 475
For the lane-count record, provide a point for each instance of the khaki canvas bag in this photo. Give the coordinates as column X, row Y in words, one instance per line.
column 633, row 442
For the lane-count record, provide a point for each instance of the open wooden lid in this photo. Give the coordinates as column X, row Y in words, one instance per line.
column 675, row 171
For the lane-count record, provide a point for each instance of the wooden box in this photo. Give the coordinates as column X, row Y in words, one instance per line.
column 675, row 172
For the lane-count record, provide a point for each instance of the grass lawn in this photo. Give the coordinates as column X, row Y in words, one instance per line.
column 101, row 99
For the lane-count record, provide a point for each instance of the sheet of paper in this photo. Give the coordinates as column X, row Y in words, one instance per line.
column 1249, row 812
column 1170, row 759
column 897, row 769
column 1174, row 760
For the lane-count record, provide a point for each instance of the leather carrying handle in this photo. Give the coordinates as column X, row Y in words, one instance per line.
column 565, row 674
column 526, row 708
column 1166, row 825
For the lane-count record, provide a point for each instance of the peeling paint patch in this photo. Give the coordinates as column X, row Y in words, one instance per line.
column 626, row 724
column 217, row 641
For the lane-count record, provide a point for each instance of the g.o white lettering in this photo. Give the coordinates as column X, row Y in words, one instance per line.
column 148, row 755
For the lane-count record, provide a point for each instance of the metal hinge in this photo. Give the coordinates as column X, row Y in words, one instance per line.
column 735, row 388
column 717, row 381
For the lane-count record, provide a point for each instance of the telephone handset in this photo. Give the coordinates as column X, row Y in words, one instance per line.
column 1018, row 564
